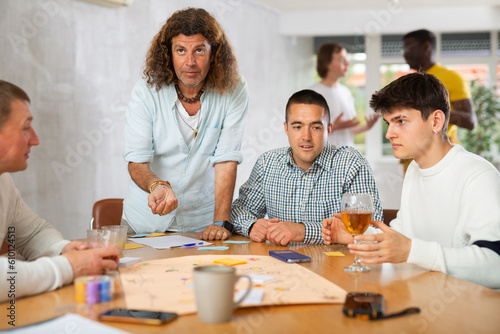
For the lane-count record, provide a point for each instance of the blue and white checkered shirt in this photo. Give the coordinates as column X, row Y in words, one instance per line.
column 278, row 188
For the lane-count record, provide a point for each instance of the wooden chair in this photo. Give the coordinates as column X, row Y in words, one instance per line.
column 389, row 215
column 106, row 212
column 5, row 247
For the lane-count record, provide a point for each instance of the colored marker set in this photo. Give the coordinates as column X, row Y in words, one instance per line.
column 94, row 289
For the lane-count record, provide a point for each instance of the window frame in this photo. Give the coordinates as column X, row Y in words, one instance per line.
column 373, row 48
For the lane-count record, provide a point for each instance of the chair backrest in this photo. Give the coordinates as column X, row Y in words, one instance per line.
column 389, row 215
column 5, row 247
column 106, row 212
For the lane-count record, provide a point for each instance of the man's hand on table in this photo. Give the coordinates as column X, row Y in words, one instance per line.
column 75, row 245
column 259, row 229
column 214, row 232
column 276, row 231
column 92, row 261
column 333, row 230
column 283, row 232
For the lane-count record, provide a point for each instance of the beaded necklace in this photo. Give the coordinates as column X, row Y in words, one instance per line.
column 188, row 99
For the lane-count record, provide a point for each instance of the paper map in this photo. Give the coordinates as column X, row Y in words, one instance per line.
column 167, row 285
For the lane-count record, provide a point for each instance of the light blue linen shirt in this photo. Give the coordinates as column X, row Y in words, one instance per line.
column 152, row 135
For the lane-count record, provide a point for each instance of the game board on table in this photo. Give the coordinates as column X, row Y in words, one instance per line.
column 167, row 285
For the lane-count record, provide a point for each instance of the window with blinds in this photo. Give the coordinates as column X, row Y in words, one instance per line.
column 392, row 46
column 465, row 44
column 353, row 44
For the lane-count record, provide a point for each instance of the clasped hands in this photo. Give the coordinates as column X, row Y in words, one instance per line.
column 278, row 232
column 388, row 246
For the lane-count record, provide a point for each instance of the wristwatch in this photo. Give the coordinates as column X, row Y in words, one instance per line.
column 226, row 224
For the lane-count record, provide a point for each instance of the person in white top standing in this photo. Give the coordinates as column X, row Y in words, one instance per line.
column 449, row 219
column 332, row 65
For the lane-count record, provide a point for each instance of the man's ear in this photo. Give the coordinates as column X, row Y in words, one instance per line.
column 330, row 128
column 428, row 47
column 438, row 121
column 286, row 127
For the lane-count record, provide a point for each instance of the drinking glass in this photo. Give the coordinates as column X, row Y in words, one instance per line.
column 122, row 235
column 103, row 238
column 356, row 210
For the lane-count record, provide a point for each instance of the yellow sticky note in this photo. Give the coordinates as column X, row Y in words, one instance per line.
column 229, row 262
column 133, row 246
column 155, row 235
column 334, row 254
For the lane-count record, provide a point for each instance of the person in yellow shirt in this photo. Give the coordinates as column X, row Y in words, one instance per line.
column 419, row 52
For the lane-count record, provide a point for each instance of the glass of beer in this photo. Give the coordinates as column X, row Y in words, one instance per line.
column 356, row 210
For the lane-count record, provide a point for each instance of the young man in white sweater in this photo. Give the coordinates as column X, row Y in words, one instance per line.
column 51, row 260
column 449, row 219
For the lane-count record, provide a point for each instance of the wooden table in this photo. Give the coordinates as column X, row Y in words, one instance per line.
column 448, row 304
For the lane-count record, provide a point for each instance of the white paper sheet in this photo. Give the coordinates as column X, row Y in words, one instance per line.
column 69, row 323
column 169, row 241
column 259, row 279
column 128, row 261
column 253, row 298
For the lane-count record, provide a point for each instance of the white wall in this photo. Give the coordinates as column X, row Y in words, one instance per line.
column 78, row 63
column 395, row 17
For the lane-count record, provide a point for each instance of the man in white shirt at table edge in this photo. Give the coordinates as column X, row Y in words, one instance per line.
column 449, row 219
column 51, row 261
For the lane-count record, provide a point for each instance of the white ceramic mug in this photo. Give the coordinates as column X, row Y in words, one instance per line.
column 214, row 292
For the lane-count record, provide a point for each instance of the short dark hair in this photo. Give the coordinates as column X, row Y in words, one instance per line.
column 325, row 55
column 9, row 93
column 422, row 35
column 419, row 90
column 307, row 96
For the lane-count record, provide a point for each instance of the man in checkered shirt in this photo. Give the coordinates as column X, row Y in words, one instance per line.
column 292, row 189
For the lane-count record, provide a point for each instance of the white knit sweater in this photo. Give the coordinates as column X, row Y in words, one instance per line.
column 447, row 208
column 36, row 240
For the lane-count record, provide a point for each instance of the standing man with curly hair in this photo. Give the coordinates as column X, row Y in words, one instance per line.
column 184, row 130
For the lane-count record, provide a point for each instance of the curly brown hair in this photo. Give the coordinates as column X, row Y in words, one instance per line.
column 159, row 69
